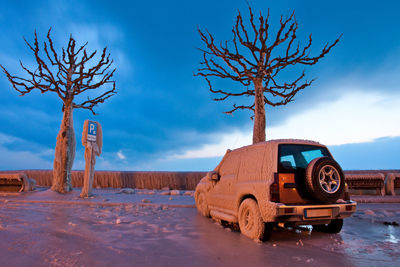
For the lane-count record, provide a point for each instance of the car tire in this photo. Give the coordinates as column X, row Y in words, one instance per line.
column 201, row 204
column 334, row 227
column 251, row 223
column 325, row 180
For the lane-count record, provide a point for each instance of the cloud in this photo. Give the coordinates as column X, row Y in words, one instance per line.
column 111, row 161
column 356, row 117
column 222, row 143
column 5, row 139
column 26, row 113
column 99, row 36
column 120, row 155
column 13, row 156
column 380, row 154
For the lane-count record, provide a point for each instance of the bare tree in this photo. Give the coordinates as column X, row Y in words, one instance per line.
column 256, row 57
column 68, row 75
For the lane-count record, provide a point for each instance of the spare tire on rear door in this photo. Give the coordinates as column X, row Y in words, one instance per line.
column 325, row 180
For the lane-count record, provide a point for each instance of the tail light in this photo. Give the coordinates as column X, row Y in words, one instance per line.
column 289, row 210
column 274, row 190
column 346, row 196
column 346, row 192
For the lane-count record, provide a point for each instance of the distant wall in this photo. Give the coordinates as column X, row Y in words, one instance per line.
column 372, row 171
column 121, row 179
column 148, row 180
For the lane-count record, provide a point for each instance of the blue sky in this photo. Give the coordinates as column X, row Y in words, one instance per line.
column 163, row 118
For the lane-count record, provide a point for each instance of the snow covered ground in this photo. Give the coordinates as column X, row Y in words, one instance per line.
column 107, row 197
column 161, row 228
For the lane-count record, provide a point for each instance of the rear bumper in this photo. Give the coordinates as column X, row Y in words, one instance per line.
column 314, row 213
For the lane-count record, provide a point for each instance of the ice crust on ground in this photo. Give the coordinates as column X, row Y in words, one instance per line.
column 68, row 232
column 127, row 191
column 134, row 235
column 108, row 197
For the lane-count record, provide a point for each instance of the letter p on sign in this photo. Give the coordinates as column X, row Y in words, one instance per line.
column 92, row 130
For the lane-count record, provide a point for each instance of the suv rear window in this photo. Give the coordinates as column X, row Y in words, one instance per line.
column 293, row 157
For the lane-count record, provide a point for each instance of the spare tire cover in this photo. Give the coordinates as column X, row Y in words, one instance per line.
column 325, row 180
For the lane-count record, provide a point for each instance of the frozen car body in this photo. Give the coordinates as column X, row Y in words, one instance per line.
column 249, row 172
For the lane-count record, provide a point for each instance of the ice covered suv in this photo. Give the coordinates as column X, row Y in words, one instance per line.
column 286, row 182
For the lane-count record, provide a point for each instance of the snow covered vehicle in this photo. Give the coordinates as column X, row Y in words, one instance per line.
column 287, row 182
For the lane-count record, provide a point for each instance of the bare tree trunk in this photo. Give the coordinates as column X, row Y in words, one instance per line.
column 259, row 113
column 65, row 153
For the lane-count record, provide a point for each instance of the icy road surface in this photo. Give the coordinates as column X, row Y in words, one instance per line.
column 62, row 234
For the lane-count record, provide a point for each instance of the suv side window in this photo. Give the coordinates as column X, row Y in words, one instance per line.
column 312, row 154
column 251, row 165
column 230, row 165
column 287, row 162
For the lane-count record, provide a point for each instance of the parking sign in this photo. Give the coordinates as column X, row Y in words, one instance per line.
column 92, row 131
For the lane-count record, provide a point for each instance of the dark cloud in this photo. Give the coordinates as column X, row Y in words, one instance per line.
column 383, row 153
column 160, row 103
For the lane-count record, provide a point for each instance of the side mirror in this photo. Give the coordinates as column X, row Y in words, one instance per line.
column 213, row 176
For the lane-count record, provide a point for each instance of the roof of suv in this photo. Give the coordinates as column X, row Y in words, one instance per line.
column 283, row 141
column 293, row 141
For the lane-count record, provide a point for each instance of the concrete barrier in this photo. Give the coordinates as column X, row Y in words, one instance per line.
column 387, row 186
column 121, row 179
column 16, row 182
column 362, row 181
column 392, row 182
column 373, row 179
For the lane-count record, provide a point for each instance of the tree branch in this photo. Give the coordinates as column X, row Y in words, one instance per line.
column 247, row 58
column 68, row 75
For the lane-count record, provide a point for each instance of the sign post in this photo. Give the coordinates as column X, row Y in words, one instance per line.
column 92, row 140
